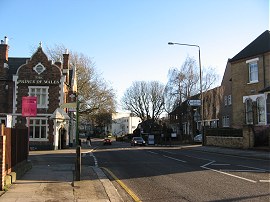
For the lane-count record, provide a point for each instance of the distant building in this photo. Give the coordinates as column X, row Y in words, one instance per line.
column 54, row 84
column 123, row 123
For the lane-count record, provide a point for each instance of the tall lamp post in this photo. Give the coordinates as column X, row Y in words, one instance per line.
column 184, row 44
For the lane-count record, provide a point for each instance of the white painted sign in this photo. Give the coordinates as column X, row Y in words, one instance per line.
column 9, row 121
column 194, row 102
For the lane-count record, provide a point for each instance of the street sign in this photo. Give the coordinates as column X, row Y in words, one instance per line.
column 194, row 102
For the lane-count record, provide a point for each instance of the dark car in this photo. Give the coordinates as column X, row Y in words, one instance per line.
column 107, row 141
column 137, row 141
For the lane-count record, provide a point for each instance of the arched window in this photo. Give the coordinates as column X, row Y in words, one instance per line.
column 249, row 111
column 261, row 109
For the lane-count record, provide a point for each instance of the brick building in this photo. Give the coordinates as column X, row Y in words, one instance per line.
column 51, row 83
column 250, row 75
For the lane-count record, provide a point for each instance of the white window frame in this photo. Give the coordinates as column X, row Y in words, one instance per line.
column 38, row 123
column 249, row 111
column 225, row 100
column 253, row 70
column 229, row 99
column 33, row 92
column 226, row 121
column 261, row 110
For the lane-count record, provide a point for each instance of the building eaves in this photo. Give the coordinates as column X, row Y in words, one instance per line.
column 259, row 46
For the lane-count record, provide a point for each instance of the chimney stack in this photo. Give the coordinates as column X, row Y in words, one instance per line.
column 66, row 65
column 4, row 51
column 66, row 60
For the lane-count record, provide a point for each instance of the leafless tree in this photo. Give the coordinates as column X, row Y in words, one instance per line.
column 144, row 99
column 95, row 95
column 185, row 82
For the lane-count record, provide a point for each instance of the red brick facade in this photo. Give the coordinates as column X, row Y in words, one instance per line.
column 49, row 82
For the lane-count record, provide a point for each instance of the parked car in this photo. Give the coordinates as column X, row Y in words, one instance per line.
column 198, row 138
column 137, row 141
column 107, row 141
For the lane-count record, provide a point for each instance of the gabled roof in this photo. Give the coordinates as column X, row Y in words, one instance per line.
column 259, row 46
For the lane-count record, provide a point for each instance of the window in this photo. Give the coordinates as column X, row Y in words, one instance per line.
column 38, row 129
column 249, row 112
column 229, row 100
column 253, row 70
column 261, row 110
column 225, row 121
column 3, row 120
column 41, row 93
column 225, row 101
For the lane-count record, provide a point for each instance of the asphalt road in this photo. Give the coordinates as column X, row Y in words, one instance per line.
column 182, row 174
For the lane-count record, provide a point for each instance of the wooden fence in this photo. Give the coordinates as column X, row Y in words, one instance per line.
column 13, row 149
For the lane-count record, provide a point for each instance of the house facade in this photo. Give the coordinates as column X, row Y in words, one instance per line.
column 51, row 83
column 123, row 123
column 250, row 72
column 225, row 115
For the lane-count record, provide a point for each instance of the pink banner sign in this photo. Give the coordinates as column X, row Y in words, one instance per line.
column 29, row 106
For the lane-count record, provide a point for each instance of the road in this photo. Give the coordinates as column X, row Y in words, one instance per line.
column 182, row 174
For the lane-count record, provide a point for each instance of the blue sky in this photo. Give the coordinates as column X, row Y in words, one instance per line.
column 128, row 39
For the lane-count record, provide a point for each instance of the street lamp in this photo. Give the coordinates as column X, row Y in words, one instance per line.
column 184, row 44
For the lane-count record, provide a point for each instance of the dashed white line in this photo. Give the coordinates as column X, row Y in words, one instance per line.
column 152, row 152
column 220, row 164
column 253, row 168
column 174, row 159
column 265, row 181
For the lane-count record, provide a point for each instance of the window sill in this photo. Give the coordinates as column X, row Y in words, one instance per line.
column 253, row 82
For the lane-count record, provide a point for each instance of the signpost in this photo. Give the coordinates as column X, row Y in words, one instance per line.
column 194, row 103
column 29, row 109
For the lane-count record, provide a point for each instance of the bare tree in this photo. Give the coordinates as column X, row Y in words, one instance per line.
column 144, row 99
column 185, row 82
column 95, row 95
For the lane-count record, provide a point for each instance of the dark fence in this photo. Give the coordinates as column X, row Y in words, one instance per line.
column 224, row 132
column 16, row 146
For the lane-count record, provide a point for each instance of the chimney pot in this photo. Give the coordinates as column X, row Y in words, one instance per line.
column 5, row 40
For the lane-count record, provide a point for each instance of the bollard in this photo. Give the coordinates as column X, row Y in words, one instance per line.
column 78, row 163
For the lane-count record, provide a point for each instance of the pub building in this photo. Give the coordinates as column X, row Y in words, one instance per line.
column 54, row 84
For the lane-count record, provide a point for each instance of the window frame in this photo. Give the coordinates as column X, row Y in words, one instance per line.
column 261, row 112
column 38, row 95
column 253, row 72
column 33, row 126
column 249, row 111
column 229, row 100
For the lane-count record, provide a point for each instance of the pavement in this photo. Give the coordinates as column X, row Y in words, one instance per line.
column 56, row 182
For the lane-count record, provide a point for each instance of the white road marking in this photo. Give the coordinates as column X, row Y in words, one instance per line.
column 174, row 159
column 198, row 158
column 152, row 152
column 221, row 164
column 253, row 168
column 242, row 178
column 265, row 181
column 169, row 152
column 255, row 171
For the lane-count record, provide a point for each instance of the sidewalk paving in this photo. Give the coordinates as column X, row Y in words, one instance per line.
column 55, row 182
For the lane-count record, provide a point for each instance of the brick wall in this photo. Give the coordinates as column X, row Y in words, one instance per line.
column 2, row 156
column 241, row 86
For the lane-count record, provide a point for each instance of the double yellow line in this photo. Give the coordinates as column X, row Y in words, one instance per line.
column 131, row 193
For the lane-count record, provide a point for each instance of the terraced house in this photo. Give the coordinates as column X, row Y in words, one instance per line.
column 52, row 84
column 242, row 101
column 250, row 83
